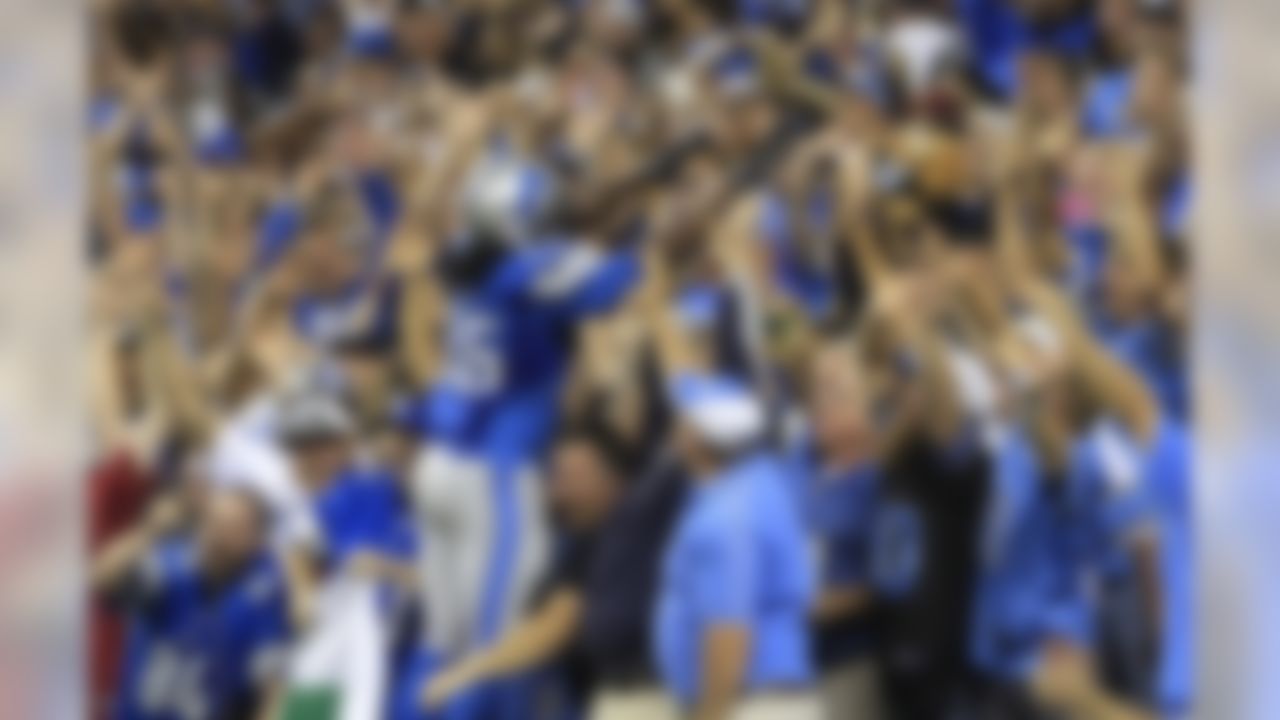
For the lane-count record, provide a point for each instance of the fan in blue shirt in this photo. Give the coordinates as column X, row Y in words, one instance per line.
column 337, row 244
column 209, row 612
column 364, row 512
column 1031, row 587
column 362, row 509
column 736, row 579
column 838, row 480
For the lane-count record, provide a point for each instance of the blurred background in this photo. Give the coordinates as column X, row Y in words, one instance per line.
column 523, row 360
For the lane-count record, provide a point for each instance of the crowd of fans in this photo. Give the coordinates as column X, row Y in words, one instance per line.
column 639, row 359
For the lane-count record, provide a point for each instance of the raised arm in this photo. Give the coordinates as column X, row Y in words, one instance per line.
column 676, row 354
column 853, row 186
column 900, row 336
column 1128, row 215
column 122, row 557
column 1109, row 382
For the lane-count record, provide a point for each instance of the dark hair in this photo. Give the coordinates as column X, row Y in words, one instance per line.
column 333, row 206
column 604, row 442
column 143, row 31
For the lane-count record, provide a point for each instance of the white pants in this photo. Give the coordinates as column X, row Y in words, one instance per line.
column 486, row 543
column 641, row 704
column 782, row 706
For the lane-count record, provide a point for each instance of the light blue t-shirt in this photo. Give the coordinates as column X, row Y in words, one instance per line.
column 737, row 557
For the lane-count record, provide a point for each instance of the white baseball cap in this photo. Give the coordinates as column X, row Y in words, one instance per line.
column 724, row 412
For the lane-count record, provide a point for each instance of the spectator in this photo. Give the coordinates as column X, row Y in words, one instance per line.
column 210, row 623
column 592, row 617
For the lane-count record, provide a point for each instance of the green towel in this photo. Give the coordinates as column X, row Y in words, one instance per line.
column 311, row 703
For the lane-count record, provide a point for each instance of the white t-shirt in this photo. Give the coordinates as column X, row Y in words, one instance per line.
column 246, row 454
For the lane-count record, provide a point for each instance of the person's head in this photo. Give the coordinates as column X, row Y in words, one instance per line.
column 744, row 114
column 234, row 249
column 328, row 255
column 1118, row 25
column 231, row 528
column 717, row 420
column 1048, row 82
column 700, row 458
column 423, row 30
column 587, row 469
column 315, row 430
column 366, row 362
column 837, row 400
column 506, row 199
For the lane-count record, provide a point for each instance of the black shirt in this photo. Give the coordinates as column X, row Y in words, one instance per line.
column 622, row 578
column 924, row 556
column 616, row 569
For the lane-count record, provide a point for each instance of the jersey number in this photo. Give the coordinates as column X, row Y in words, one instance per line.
column 474, row 359
column 172, row 684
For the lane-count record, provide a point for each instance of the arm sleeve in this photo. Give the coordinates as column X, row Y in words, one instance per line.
column 581, row 280
column 723, row 587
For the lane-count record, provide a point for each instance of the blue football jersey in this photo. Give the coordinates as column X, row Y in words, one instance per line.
column 509, row 342
column 1034, row 574
column 200, row 651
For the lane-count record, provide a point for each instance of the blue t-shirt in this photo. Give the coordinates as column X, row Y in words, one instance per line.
column 998, row 34
column 837, row 508
column 1155, row 352
column 737, row 557
column 365, row 509
column 1038, row 559
column 199, row 651
column 1107, row 467
column 1108, row 97
column 509, row 342
column 1166, row 467
column 1150, row 485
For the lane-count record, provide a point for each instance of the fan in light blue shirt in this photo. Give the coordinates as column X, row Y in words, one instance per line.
column 737, row 558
